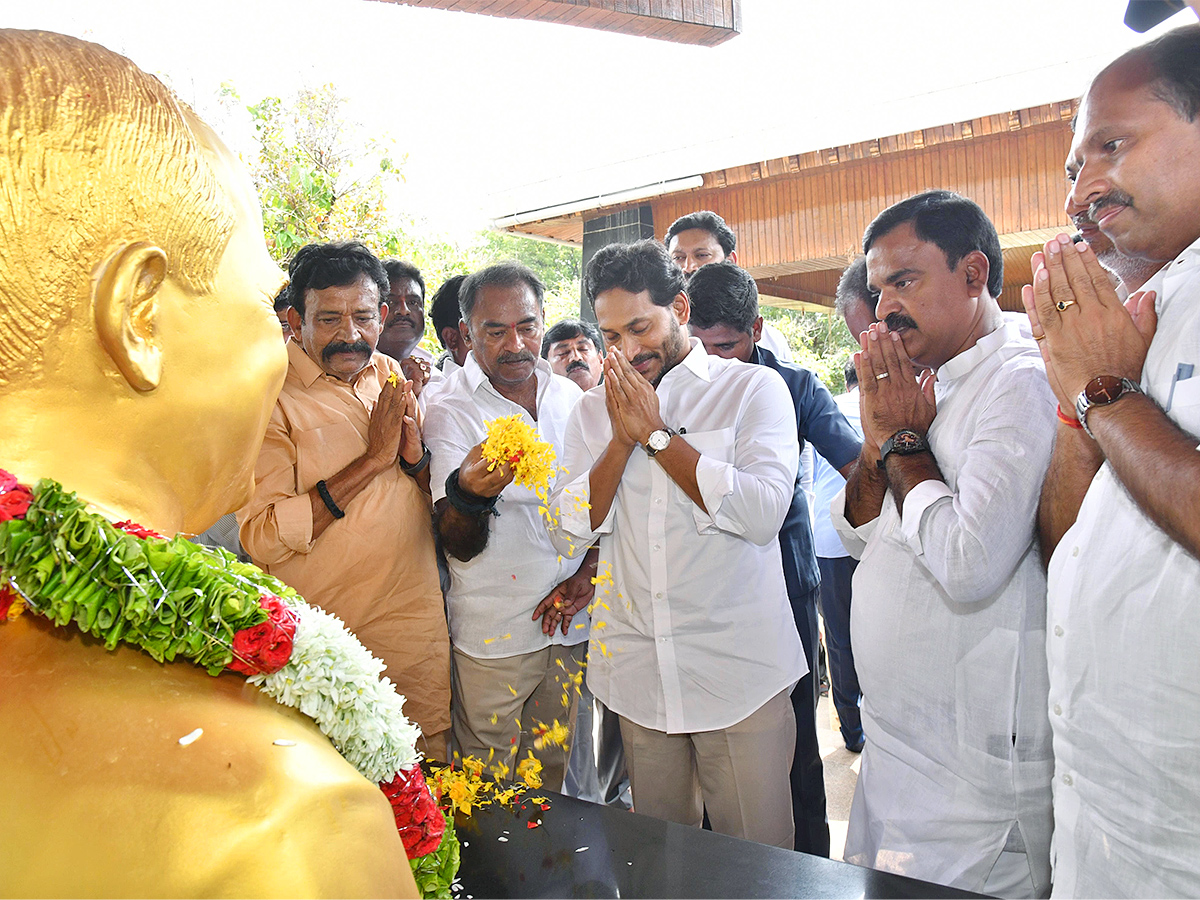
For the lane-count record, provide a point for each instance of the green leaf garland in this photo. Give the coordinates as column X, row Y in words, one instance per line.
column 168, row 596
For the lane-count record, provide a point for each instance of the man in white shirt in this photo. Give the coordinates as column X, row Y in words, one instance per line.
column 1119, row 507
column 512, row 596
column 948, row 619
column 683, row 465
column 837, row 573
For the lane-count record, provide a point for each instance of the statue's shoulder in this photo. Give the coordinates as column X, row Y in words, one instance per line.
column 162, row 780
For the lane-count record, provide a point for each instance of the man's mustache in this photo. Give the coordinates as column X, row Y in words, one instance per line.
column 360, row 346
column 516, row 358
column 578, row 364
column 1115, row 197
column 899, row 321
column 643, row 358
column 410, row 321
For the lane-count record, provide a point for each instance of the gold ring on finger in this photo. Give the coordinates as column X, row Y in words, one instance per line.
column 881, row 376
column 1063, row 305
column 1039, row 337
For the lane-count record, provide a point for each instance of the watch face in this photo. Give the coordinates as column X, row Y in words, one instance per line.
column 1103, row 389
column 659, row 440
column 907, row 442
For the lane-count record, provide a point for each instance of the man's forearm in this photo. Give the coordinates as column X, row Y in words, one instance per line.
column 1156, row 462
column 342, row 487
column 1074, row 464
column 865, row 490
column 604, row 479
column 905, row 472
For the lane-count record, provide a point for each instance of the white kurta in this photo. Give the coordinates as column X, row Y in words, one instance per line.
column 948, row 629
column 695, row 632
column 1124, row 650
column 492, row 597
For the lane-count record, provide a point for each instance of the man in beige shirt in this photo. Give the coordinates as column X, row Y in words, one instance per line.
column 341, row 507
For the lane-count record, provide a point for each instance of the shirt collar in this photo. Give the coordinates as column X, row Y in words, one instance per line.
column 983, row 348
column 697, row 361
column 1157, row 283
column 308, row 371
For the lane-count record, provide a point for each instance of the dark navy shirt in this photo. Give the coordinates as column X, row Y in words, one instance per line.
column 820, row 421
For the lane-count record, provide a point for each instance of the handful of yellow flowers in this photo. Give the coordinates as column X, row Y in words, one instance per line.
column 512, row 442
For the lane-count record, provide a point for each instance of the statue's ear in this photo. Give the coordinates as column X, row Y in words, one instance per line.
column 125, row 306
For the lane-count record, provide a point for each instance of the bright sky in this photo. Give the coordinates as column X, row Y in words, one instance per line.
column 501, row 116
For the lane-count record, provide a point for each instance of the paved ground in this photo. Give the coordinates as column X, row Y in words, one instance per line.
column 841, row 774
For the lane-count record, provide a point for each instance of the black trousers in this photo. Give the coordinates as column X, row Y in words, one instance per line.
column 808, row 773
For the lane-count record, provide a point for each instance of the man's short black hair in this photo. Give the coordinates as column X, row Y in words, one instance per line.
column 397, row 269
column 282, row 301
column 568, row 330
column 642, row 266
column 505, row 274
column 955, row 224
column 852, row 288
column 319, row 266
column 444, row 309
column 708, row 221
column 850, row 372
column 723, row 294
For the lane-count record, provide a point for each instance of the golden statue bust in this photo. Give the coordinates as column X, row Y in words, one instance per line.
column 139, row 362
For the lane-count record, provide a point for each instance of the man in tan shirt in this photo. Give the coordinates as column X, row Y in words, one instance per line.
column 341, row 507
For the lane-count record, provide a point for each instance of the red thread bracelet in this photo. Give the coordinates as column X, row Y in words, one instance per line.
column 1067, row 420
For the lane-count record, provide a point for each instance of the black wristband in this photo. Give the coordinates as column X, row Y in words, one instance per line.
column 328, row 500
column 467, row 503
column 417, row 467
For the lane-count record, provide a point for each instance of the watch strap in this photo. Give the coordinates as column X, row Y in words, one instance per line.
column 891, row 445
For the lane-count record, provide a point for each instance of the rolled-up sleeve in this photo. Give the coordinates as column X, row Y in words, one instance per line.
column 446, row 435
column 750, row 496
column 277, row 522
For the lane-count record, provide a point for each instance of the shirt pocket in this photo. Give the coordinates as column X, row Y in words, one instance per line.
column 715, row 445
column 1185, row 403
column 325, row 451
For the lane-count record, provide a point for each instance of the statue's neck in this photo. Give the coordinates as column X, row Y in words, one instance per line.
column 98, row 460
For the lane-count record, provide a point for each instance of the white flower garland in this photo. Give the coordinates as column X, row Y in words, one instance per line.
column 334, row 679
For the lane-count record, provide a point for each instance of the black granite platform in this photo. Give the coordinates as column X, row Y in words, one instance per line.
column 581, row 849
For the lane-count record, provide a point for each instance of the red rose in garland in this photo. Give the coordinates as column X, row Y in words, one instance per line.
column 265, row 648
column 7, row 598
column 14, row 498
column 418, row 819
column 131, row 527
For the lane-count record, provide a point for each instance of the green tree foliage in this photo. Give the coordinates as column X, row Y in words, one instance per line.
column 318, row 177
column 819, row 341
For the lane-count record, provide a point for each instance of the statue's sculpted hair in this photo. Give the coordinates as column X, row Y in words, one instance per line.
column 93, row 151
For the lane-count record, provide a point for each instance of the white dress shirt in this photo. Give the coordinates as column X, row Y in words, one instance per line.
column 827, row 481
column 491, row 599
column 695, row 633
column 1124, row 647
column 948, row 628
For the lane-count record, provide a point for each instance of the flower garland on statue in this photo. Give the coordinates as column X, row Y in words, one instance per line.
column 123, row 583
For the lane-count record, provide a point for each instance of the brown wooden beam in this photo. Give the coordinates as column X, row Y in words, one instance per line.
column 703, row 22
